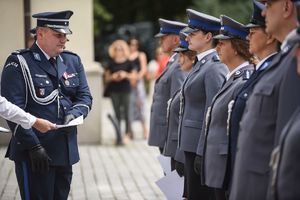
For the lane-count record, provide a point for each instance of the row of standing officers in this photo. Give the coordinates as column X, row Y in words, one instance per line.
column 225, row 107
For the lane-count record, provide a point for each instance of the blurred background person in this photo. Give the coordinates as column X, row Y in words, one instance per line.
column 233, row 49
column 120, row 75
column 162, row 60
column 138, row 94
column 152, row 70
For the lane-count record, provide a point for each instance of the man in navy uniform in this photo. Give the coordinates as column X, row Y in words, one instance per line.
column 259, row 123
column 167, row 83
column 264, row 47
column 50, row 83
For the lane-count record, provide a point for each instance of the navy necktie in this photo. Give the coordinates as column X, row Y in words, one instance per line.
column 53, row 62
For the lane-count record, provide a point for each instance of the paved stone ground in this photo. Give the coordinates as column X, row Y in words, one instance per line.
column 104, row 172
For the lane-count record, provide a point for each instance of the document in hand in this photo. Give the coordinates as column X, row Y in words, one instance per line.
column 74, row 122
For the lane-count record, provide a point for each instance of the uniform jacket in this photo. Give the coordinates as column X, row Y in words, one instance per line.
column 239, row 106
column 197, row 92
column 171, row 145
column 30, row 89
column 257, row 131
column 285, row 180
column 216, row 147
column 165, row 86
column 288, row 97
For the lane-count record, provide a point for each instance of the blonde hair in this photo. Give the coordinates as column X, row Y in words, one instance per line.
column 121, row 44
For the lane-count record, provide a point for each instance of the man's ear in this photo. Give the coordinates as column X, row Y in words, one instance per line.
column 288, row 9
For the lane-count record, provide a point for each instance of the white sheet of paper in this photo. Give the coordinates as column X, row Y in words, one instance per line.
column 4, row 130
column 171, row 185
column 165, row 163
column 74, row 122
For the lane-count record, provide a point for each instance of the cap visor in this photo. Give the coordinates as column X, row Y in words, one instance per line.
column 222, row 37
column 158, row 35
column 63, row 30
column 180, row 49
column 188, row 30
column 250, row 25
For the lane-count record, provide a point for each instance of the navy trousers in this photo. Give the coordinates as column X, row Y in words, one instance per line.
column 55, row 184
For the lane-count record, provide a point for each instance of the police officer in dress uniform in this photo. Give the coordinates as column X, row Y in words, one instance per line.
column 49, row 83
column 233, row 51
column 264, row 47
column 288, row 98
column 258, row 124
column 186, row 60
column 284, row 182
column 197, row 92
column 167, row 83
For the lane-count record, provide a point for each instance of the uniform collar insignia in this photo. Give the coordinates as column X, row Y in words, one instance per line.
column 36, row 56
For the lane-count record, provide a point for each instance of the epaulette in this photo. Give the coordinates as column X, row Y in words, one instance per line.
column 69, row 52
column 20, row 51
column 245, row 74
column 216, row 58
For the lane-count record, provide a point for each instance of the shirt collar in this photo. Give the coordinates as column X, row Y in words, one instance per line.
column 236, row 69
column 259, row 64
column 200, row 56
column 286, row 39
column 46, row 55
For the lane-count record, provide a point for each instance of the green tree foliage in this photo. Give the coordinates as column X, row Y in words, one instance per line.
column 109, row 14
column 239, row 10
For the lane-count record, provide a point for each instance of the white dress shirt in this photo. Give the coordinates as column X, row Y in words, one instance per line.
column 15, row 114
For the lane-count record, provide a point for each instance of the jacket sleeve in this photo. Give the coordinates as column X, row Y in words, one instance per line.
column 82, row 103
column 13, row 88
column 177, row 79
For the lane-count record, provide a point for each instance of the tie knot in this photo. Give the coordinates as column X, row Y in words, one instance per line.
column 53, row 61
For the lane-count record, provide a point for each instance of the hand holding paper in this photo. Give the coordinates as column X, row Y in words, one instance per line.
column 74, row 122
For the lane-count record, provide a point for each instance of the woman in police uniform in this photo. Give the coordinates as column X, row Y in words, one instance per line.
column 198, row 89
column 233, row 51
column 186, row 61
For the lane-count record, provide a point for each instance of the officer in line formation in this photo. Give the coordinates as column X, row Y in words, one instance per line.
column 167, row 83
column 248, row 108
column 233, row 49
column 186, row 61
column 50, row 83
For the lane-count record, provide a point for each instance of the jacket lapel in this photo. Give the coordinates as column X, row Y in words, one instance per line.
column 43, row 62
column 61, row 67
